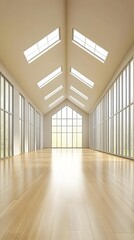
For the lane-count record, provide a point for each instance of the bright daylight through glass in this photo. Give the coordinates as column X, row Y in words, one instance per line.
column 89, row 46
column 42, row 46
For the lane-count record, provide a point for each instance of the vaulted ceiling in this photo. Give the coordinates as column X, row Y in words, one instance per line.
column 108, row 23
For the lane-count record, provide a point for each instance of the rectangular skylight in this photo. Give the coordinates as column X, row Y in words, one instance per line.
column 42, row 46
column 89, row 46
column 53, row 92
column 56, row 101
column 82, row 78
column 50, row 77
column 78, row 92
column 78, row 102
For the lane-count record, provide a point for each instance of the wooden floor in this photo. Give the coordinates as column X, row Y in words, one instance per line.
column 66, row 194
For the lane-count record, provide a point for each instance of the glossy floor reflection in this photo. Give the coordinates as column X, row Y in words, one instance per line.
column 66, row 194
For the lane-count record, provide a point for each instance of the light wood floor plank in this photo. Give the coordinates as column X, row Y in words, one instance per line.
column 66, row 194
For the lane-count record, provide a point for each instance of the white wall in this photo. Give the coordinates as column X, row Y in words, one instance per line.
column 48, row 124
column 16, row 91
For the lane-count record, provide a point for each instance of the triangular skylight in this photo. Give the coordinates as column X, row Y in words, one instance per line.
column 78, row 92
column 82, row 78
column 53, row 92
column 89, row 46
column 49, row 78
column 42, row 46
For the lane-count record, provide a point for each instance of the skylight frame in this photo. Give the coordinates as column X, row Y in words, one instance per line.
column 78, row 92
column 37, row 49
column 89, row 46
column 81, row 77
column 49, row 77
column 76, row 101
column 53, row 92
column 56, row 101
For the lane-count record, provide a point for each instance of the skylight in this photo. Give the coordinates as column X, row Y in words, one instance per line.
column 78, row 92
column 49, row 78
column 82, row 78
column 78, row 102
column 56, row 101
column 89, row 46
column 53, row 92
column 42, row 46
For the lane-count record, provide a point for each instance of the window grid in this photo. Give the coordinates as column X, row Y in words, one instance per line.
column 22, row 123
column 31, row 128
column 6, row 117
column 38, row 129
column 67, row 128
column 113, row 130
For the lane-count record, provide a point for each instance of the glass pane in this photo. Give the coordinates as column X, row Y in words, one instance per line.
column 75, row 129
column 115, row 101
column 79, row 116
column 53, row 129
column 69, row 129
column 2, row 92
column 6, row 96
column 64, row 122
column 79, row 122
column 124, row 132
column 6, row 134
column 64, row 129
column 58, row 140
column 11, row 135
column 118, row 134
column 59, row 129
column 74, row 140
column 74, row 122
column 79, row 139
column 58, row 122
column 2, row 134
column 132, row 81
column 20, row 112
column 69, row 122
column 121, row 91
column 124, row 89
column 64, row 143
column 127, row 132
column 11, row 99
column 118, row 94
column 53, row 122
column 69, row 112
column 115, row 134
column 132, row 131
column 74, row 114
column 69, row 140
column 64, row 112
column 58, row 114
column 53, row 139
column 128, row 86
column 121, row 133
column 79, row 129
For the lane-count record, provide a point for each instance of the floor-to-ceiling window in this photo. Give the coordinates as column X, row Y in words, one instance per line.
column 38, row 129
column 67, row 128
column 22, row 123
column 6, row 117
column 112, row 121
column 31, row 128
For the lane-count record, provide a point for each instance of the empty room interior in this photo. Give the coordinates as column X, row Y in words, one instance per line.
column 67, row 120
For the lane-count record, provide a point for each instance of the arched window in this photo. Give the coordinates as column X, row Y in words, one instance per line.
column 67, row 129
